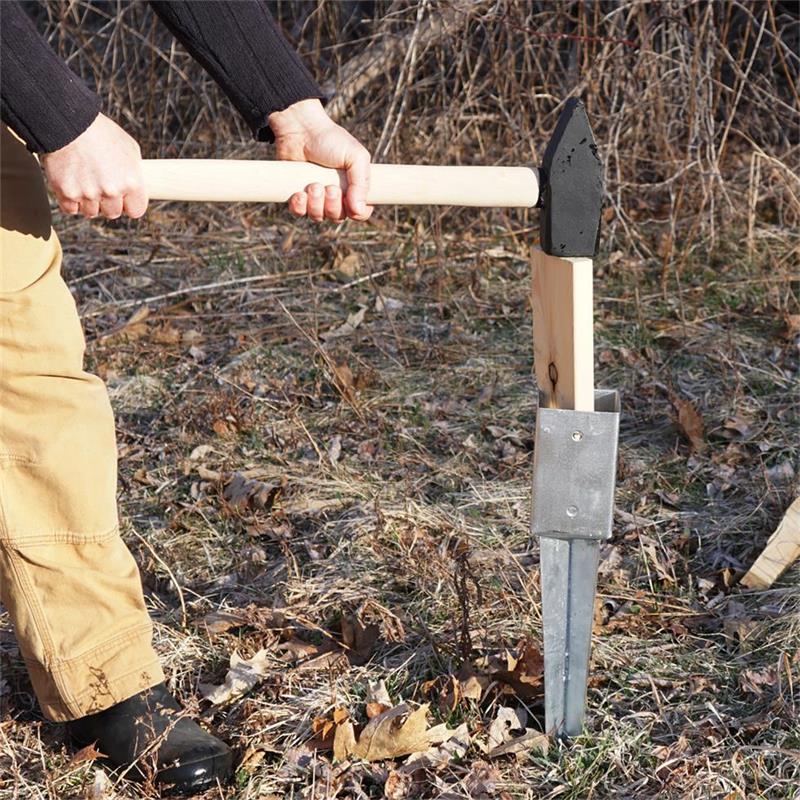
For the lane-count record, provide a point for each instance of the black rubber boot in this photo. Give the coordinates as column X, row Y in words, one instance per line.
column 149, row 732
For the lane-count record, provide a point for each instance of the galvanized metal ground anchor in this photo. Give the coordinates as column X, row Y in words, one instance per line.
column 574, row 478
column 575, row 450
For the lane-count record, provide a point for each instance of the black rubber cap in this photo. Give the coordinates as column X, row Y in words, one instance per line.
column 572, row 193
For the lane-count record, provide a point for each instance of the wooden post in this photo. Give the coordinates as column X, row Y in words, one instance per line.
column 563, row 339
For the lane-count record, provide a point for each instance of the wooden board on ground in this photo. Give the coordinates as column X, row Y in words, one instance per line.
column 782, row 550
column 563, row 341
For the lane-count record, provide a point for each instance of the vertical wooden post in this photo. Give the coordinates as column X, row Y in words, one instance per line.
column 563, row 338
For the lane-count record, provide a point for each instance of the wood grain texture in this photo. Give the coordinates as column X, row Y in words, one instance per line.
column 782, row 550
column 223, row 180
column 563, row 338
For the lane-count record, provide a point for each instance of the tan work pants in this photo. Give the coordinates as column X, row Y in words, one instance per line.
column 70, row 585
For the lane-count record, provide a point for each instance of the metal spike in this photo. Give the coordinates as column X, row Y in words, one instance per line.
column 569, row 582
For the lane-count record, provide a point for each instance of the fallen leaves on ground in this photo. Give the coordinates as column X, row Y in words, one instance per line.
column 88, row 753
column 359, row 639
column 504, row 724
column 324, row 729
column 757, row 681
column 690, row 422
column 394, row 733
column 508, row 734
column 347, row 328
column 436, row 756
column 135, row 327
column 523, row 674
column 377, row 699
column 510, row 673
column 223, row 620
column 482, row 780
column 241, row 492
column 243, row 675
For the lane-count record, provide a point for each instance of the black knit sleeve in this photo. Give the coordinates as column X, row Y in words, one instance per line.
column 241, row 46
column 41, row 99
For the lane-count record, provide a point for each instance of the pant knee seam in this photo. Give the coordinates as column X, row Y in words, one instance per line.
column 129, row 634
column 55, row 537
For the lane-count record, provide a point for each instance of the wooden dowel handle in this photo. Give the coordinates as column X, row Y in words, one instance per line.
column 220, row 180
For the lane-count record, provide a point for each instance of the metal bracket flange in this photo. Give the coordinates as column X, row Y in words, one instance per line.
column 574, row 470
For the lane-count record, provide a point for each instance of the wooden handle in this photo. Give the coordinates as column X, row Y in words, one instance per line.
column 220, row 180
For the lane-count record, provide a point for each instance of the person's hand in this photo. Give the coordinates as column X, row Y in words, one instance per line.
column 304, row 132
column 99, row 173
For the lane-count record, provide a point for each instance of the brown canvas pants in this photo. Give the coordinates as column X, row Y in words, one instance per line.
column 70, row 585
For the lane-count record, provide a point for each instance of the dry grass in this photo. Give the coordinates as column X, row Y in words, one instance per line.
column 431, row 399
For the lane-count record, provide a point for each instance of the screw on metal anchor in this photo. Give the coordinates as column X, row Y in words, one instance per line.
column 577, row 436
column 572, row 511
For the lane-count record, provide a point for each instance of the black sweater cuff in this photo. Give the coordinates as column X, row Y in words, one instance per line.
column 41, row 99
column 243, row 49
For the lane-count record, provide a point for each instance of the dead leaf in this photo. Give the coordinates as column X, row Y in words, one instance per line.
column 251, row 759
column 344, row 741
column 471, row 684
column 335, row 450
column 346, row 264
column 165, row 334
column 347, row 328
column 456, row 745
column 324, row 729
column 378, row 693
column 524, row 675
column 358, row 639
column 504, row 724
column 201, row 451
column 241, row 492
column 791, row 326
column 192, row 338
column 374, row 709
column 531, row 740
column 482, row 780
column 208, row 474
column 242, row 676
column 398, row 785
column 610, row 566
column 676, row 748
column 134, row 328
column 88, row 753
column 656, row 558
column 739, row 424
column 222, row 621
column 690, row 423
column 397, row 732
column 288, row 240
column 296, row 649
column 755, row 682
column 387, row 304
column 739, row 630
column 345, row 383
